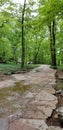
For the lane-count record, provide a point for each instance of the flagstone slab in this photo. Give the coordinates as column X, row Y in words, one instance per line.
column 41, row 106
column 28, row 124
column 3, row 124
column 7, row 83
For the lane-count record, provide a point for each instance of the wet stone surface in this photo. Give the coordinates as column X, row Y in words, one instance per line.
column 11, row 99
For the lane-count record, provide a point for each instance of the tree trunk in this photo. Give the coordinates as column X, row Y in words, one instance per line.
column 54, row 40
column 23, row 44
column 52, row 43
column 37, row 48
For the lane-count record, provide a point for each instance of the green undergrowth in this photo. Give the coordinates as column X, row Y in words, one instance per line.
column 60, row 67
column 57, row 67
column 9, row 69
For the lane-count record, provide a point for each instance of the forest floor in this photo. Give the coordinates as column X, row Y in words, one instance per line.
column 35, row 109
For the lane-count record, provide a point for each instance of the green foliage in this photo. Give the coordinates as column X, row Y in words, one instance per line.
column 9, row 68
column 37, row 44
column 12, row 68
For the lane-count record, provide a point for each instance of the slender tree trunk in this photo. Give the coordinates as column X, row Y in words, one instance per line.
column 37, row 48
column 36, row 54
column 52, row 43
column 54, row 40
column 23, row 44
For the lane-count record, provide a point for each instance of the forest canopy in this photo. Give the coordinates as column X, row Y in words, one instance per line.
column 31, row 32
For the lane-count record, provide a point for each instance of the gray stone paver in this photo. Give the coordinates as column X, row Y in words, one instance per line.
column 4, row 124
column 21, row 126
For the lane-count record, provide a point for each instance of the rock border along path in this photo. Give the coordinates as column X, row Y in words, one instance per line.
column 38, row 103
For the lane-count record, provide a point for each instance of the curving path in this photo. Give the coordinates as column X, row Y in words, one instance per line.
column 42, row 74
column 36, row 105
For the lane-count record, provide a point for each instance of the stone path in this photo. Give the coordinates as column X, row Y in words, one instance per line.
column 41, row 75
column 37, row 104
column 38, row 108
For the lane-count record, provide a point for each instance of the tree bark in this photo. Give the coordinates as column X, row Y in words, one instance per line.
column 52, row 43
column 23, row 44
column 36, row 54
column 37, row 48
